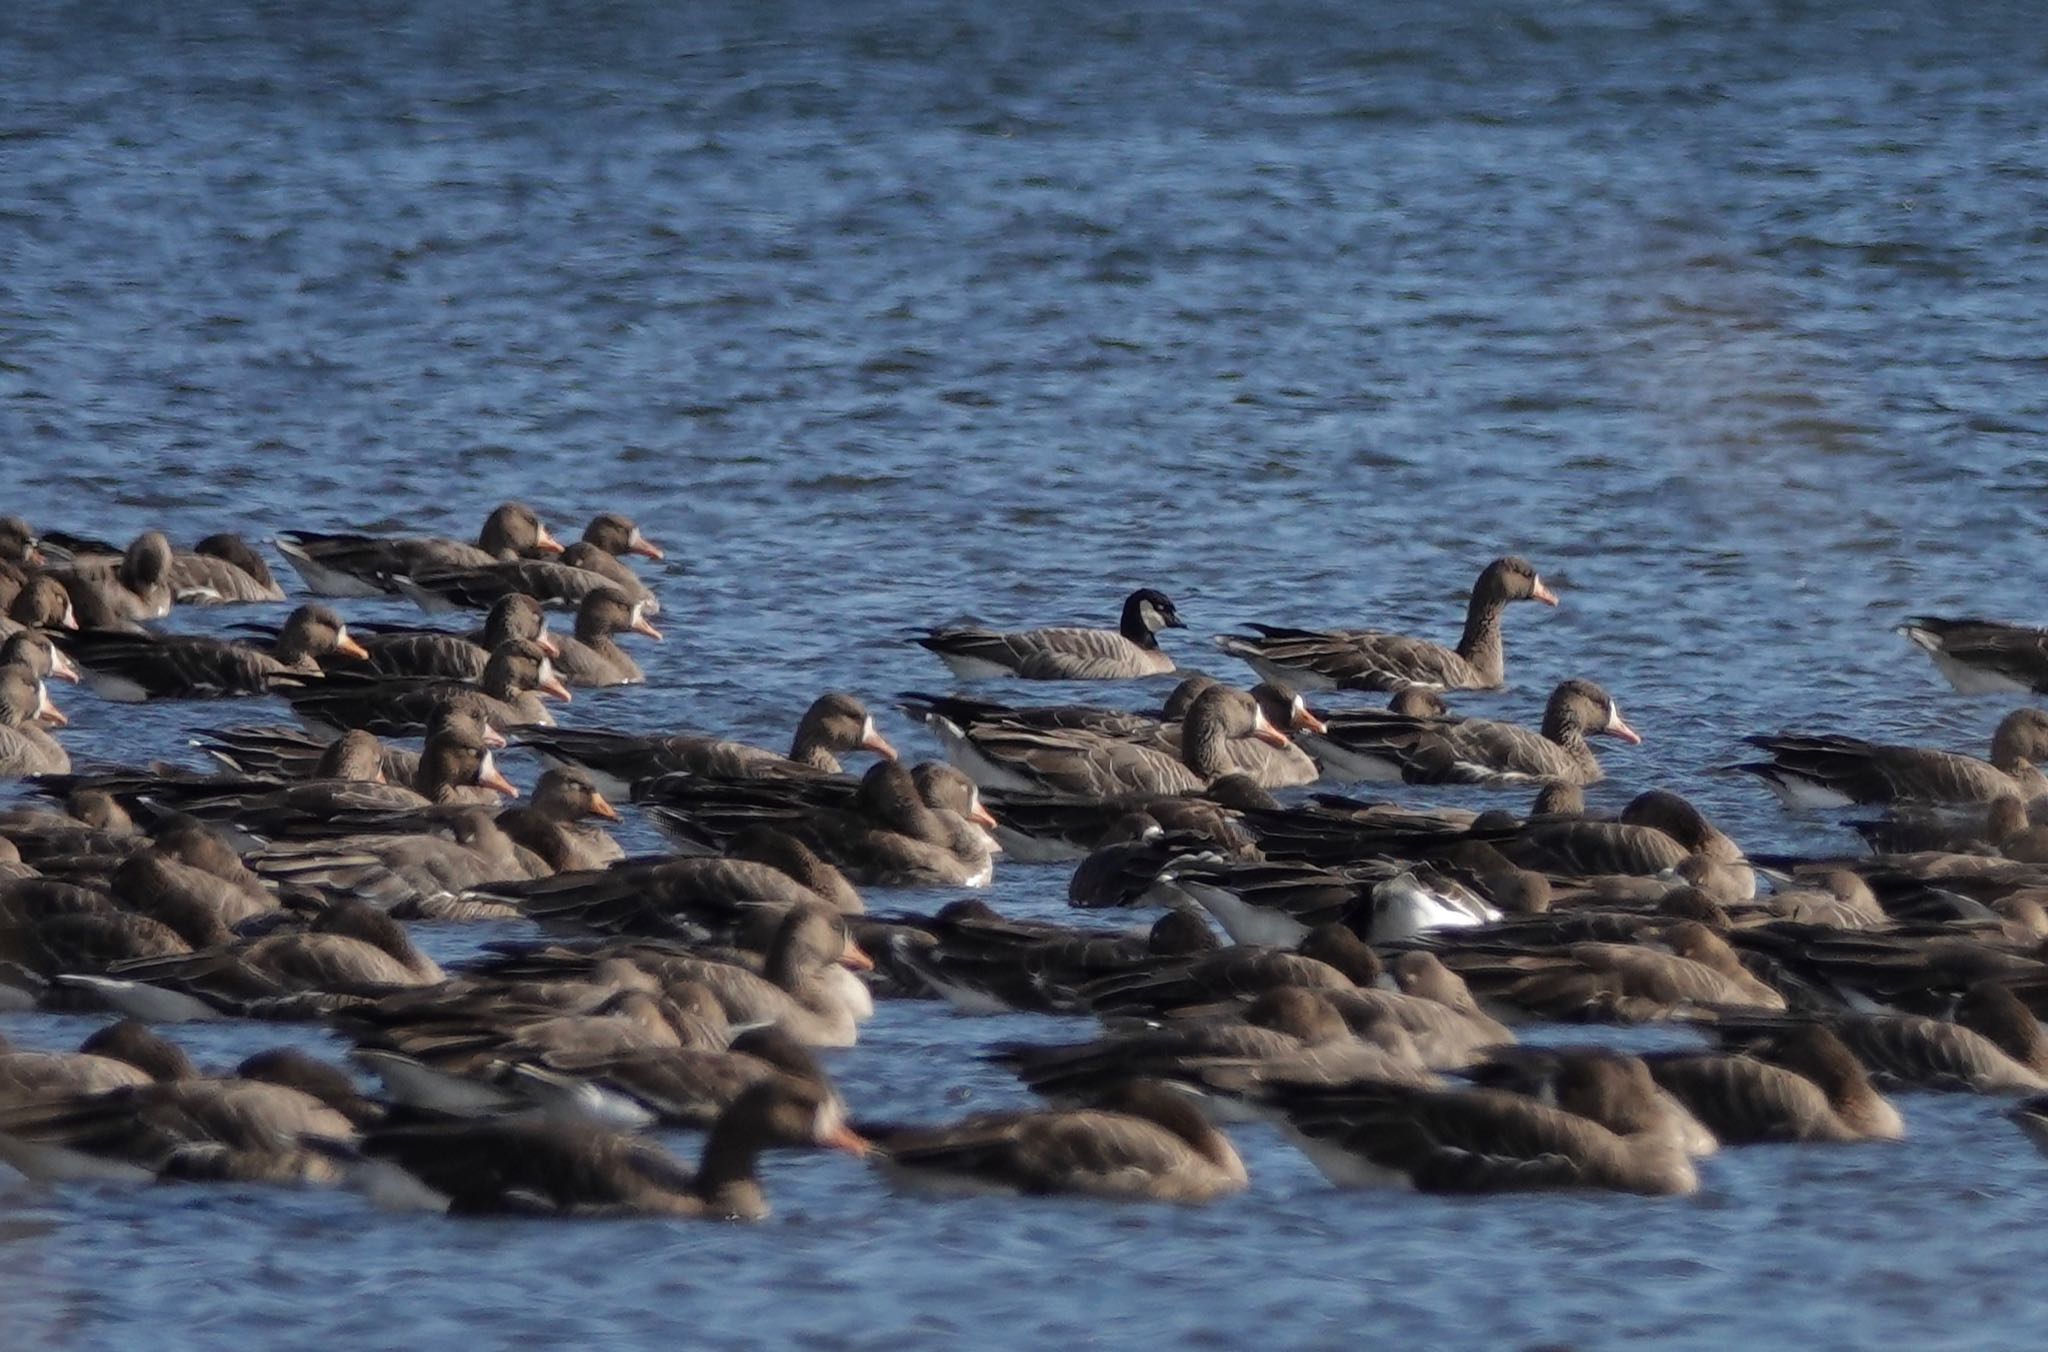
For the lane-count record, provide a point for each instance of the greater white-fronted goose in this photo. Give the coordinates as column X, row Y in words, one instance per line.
column 561, row 1169
column 1331, row 957
column 982, row 963
column 455, row 770
column 120, row 1054
column 548, row 824
column 280, row 751
column 403, row 650
column 1994, row 1046
column 1142, row 1142
column 593, row 559
column 1982, row 657
column 1129, row 651
column 671, row 1087
column 1391, row 748
column 884, row 833
column 616, row 534
column 1658, row 831
column 119, row 593
column 1041, row 828
column 18, row 542
column 42, row 603
column 25, row 708
column 131, row 667
column 403, row 869
column 834, row 725
column 222, row 570
column 1608, row 1130
column 1369, row 659
column 514, row 680
column 1264, row 763
column 1277, row 902
column 1832, row 771
column 591, row 656
column 1081, row 764
column 366, row 565
column 557, row 585
column 1693, row 970
column 1804, row 1085
column 32, row 648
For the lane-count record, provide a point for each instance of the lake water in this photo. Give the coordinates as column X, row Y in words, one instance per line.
column 1729, row 315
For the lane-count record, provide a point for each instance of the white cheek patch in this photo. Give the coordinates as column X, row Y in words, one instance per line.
column 547, row 671
column 1149, row 613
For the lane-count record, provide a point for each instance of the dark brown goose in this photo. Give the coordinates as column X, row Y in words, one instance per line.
column 2031, row 1117
column 1982, row 657
column 1129, row 651
column 545, row 1168
column 616, row 534
column 18, row 542
column 834, row 725
column 549, row 824
column 1995, row 1046
column 1802, row 1086
column 1141, row 1142
column 132, row 667
column 222, row 570
column 1832, row 771
column 979, row 962
column 679, row 1087
column 1331, row 958
column 1369, row 659
column 591, row 656
column 557, row 585
column 118, row 593
column 280, row 751
column 514, row 680
column 1614, row 982
column 1608, row 1130
column 401, row 650
column 1658, row 832
column 1080, row 764
column 1390, row 748
column 367, row 565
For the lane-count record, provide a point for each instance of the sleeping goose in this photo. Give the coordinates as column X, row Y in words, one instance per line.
column 1130, row 651
column 1390, row 748
column 1804, row 1085
column 367, row 565
column 120, row 1054
column 1612, row 982
column 1982, row 657
column 1141, row 1142
column 222, row 570
column 590, row 656
column 131, row 667
column 835, row 724
column 1082, row 764
column 117, row 593
column 1369, row 659
column 1834, row 771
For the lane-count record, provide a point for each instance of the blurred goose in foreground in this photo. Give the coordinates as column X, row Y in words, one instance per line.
column 367, row 565
column 118, row 1055
column 1608, row 1130
column 1276, row 902
column 131, row 667
column 1994, row 1045
column 25, row 707
column 222, row 570
column 834, row 725
column 1803, row 1086
column 1370, row 659
column 1982, row 657
column 1142, row 1142
column 1390, row 748
column 590, row 656
column 1833, row 771
column 1692, row 969
column 117, row 593
column 505, row 1166
column 1129, row 651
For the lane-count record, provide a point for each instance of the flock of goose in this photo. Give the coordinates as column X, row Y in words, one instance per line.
column 1350, row 970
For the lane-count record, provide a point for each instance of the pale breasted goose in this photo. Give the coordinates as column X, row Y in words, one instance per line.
column 222, row 570
column 552, row 1168
column 590, row 656
column 367, row 565
column 834, row 725
column 401, row 650
column 1391, row 748
column 117, row 594
column 1834, row 771
column 1982, row 657
column 1369, row 659
column 1127, row 652
column 131, row 667
column 1142, row 1142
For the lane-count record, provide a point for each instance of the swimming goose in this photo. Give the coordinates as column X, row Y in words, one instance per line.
column 117, row 593
column 1041, row 828
column 1130, row 651
column 591, row 656
column 1370, row 659
column 557, row 585
column 514, row 680
column 835, row 724
column 1608, row 1130
column 1693, row 969
column 120, row 1054
column 980, row 962
column 616, row 534
column 367, row 565
column 25, row 707
column 669, row 1087
column 33, row 649
column 1804, row 1085
column 1982, row 657
column 1994, row 1046
column 1141, row 1142
column 1834, row 771
column 506, row 1166
column 222, row 570
column 1087, row 765
column 1390, row 748
column 409, row 650
column 42, row 603
column 1657, row 832
column 1331, row 957
column 594, row 559
column 1261, row 901
column 132, row 667
column 406, row 868
column 548, row 824
column 278, row 751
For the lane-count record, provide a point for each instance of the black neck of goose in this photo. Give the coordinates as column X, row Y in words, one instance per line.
column 1133, row 627
column 1480, row 644
column 728, row 1181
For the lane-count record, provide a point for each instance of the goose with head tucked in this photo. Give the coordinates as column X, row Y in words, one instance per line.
column 120, row 1054
column 834, row 725
column 1828, row 771
column 1129, row 651
column 119, row 593
column 222, row 570
column 591, row 656
column 132, row 667
column 1371, row 659
column 368, row 565
column 1392, row 748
